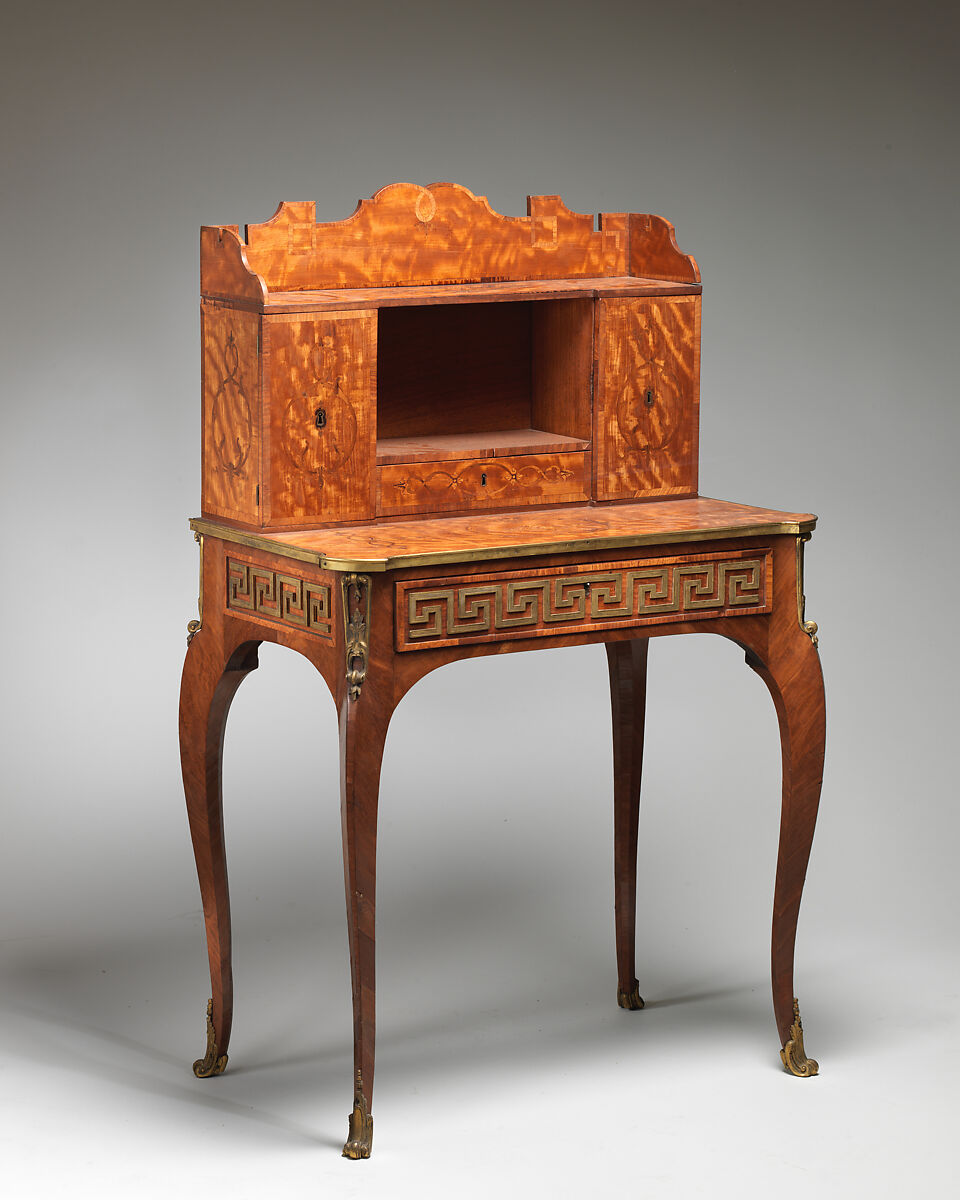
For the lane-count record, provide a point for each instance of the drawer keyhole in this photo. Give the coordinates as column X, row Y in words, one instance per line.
column 649, row 398
column 483, row 479
column 320, row 418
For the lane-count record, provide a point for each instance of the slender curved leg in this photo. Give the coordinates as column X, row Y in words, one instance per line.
column 627, row 662
column 363, row 732
column 206, row 691
column 790, row 667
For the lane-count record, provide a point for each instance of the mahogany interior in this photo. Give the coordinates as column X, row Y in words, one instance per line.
column 464, row 380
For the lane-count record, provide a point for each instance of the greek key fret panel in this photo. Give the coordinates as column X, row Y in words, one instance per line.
column 438, row 612
column 303, row 604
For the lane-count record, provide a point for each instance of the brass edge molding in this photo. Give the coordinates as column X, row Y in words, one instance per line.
column 331, row 562
column 360, row 1131
column 808, row 627
column 253, row 541
column 194, row 627
column 531, row 549
column 356, row 629
column 212, row 1063
column 630, row 999
column 793, row 1055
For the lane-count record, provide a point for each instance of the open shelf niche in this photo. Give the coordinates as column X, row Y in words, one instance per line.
column 478, row 381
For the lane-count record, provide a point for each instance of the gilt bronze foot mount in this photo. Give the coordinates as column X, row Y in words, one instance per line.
column 630, row 999
column 212, row 1063
column 793, row 1055
column 360, row 1134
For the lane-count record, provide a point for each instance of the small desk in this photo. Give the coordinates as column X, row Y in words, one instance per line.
column 553, row 504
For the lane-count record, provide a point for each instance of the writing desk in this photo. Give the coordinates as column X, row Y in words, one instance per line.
column 432, row 432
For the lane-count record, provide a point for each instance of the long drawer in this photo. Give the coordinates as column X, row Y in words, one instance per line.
column 474, row 484
column 454, row 610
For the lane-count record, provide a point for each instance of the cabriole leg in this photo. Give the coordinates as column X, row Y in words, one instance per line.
column 206, row 691
column 627, row 662
column 791, row 670
column 363, row 731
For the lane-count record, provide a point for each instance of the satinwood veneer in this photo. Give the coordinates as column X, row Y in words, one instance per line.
column 432, row 432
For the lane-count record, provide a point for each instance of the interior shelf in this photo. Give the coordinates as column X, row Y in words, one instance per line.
column 498, row 443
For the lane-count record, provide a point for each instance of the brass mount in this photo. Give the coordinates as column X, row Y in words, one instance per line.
column 360, row 1134
column 212, row 1063
column 630, row 999
column 793, row 1055
column 356, row 629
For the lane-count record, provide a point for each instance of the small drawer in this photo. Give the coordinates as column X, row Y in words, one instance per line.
column 474, row 484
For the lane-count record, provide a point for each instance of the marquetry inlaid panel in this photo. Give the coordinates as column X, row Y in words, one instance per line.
column 320, row 417
column 483, row 483
column 256, row 590
column 231, row 413
column 524, row 604
column 647, row 403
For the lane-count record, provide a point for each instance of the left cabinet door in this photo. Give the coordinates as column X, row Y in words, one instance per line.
column 231, row 412
column 320, row 417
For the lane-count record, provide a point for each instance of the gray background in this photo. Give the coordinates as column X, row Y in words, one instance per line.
column 807, row 155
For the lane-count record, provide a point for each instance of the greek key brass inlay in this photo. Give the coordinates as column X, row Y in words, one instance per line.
column 302, row 604
column 557, row 601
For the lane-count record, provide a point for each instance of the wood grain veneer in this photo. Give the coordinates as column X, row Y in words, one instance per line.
column 497, row 443
column 370, row 387
column 647, row 412
column 472, row 293
column 386, row 546
column 453, row 369
column 230, row 383
column 478, row 483
column 319, row 365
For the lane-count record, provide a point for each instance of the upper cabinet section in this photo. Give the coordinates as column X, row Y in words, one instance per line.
column 430, row 356
column 411, row 236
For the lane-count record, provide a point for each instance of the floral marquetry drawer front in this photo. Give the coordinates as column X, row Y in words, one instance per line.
column 558, row 600
column 484, row 482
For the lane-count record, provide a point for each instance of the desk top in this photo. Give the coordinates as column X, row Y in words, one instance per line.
column 388, row 545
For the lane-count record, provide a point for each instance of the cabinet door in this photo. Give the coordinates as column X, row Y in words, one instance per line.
column 646, row 415
column 319, row 388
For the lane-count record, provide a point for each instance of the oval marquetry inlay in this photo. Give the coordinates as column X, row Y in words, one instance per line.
column 315, row 446
column 650, row 411
column 426, row 206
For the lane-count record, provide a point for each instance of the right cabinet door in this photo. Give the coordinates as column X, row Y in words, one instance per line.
column 646, row 410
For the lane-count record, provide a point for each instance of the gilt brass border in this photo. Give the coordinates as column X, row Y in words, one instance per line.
column 490, row 553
